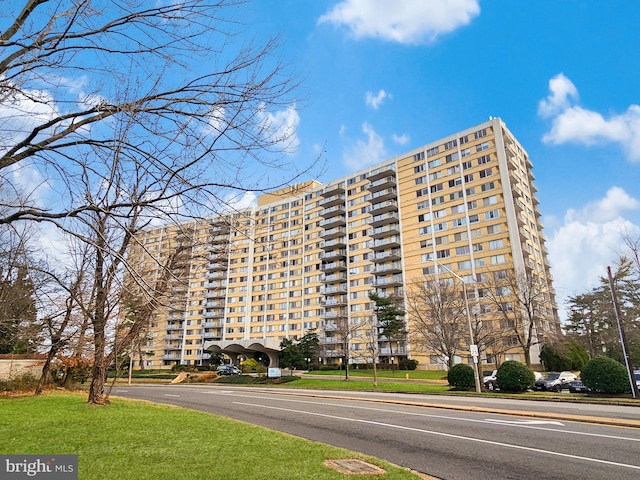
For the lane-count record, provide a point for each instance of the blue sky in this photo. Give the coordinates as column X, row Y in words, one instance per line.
column 383, row 77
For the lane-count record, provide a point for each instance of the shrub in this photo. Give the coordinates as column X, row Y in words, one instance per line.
column 514, row 376
column 19, row 384
column 251, row 365
column 605, row 375
column 565, row 355
column 408, row 364
column 461, row 377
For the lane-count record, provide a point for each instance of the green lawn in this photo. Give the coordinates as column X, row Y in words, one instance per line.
column 139, row 441
column 413, row 374
column 365, row 384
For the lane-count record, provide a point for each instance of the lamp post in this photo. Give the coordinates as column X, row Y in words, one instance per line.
column 393, row 372
column 473, row 348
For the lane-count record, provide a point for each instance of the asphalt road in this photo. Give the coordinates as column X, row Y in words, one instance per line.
column 443, row 443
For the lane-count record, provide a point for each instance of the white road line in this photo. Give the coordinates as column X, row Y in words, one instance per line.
column 524, row 422
column 170, row 395
column 449, row 435
column 506, row 423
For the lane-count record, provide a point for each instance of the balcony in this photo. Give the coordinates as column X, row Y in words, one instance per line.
column 334, row 266
column 335, row 277
column 384, row 219
column 333, row 211
column 383, row 269
column 173, row 337
column 382, row 172
column 333, row 254
column 394, row 281
column 333, row 233
column 382, row 243
column 333, row 200
column 331, row 314
column 220, row 275
column 336, row 289
column 331, row 190
column 337, row 221
column 170, row 356
column 218, row 266
column 387, row 256
column 386, row 194
column 335, row 301
column 385, row 231
column 333, row 244
column 383, row 207
column 214, row 314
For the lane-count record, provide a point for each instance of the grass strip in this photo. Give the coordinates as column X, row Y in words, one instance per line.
column 141, row 440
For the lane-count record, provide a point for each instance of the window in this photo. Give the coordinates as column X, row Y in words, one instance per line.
column 487, row 186
column 494, row 229
column 465, row 265
column 482, row 147
column 456, row 195
column 457, row 209
column 492, row 200
column 418, row 156
column 484, row 159
column 427, row 257
column 452, row 157
column 433, row 151
column 464, row 140
column 472, row 205
column 495, row 244
column 421, row 180
column 422, row 205
column 462, row 250
column 480, row 134
column 438, row 227
column 433, row 176
column 419, row 168
column 436, row 188
column 458, row 222
column 443, row 253
column 487, row 172
column 454, row 169
column 491, row 214
column 498, row 259
column 455, row 182
column 422, row 192
column 457, row 237
column 466, row 152
column 474, row 218
column 437, row 200
column 434, row 163
column 451, row 144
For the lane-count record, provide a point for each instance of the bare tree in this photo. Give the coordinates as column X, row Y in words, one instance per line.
column 438, row 317
column 523, row 304
column 132, row 112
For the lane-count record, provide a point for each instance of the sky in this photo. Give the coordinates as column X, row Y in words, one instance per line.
column 381, row 77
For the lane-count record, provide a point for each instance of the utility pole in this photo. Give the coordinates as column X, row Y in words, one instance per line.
column 623, row 338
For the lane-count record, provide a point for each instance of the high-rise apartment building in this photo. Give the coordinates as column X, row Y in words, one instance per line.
column 306, row 258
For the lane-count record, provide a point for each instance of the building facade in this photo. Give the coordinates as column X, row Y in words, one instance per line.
column 306, row 258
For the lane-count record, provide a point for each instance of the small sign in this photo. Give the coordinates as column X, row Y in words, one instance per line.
column 274, row 373
column 53, row 467
column 474, row 350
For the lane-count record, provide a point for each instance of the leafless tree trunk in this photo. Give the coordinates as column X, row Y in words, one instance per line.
column 437, row 313
column 522, row 303
column 173, row 115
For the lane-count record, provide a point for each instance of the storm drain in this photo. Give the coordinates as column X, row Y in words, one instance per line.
column 354, row 466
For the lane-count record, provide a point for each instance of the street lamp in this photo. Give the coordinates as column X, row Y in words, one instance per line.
column 393, row 372
column 473, row 348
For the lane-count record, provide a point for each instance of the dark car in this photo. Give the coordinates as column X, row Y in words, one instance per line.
column 228, row 370
column 554, row 381
column 578, row 387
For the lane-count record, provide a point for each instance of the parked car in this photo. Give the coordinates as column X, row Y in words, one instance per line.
column 228, row 370
column 554, row 381
column 636, row 374
column 489, row 380
column 577, row 386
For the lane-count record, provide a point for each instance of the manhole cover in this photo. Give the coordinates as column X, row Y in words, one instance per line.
column 353, row 466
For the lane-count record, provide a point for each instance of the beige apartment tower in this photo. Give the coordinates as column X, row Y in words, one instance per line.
column 306, row 258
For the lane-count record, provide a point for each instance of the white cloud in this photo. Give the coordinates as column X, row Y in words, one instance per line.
column 241, row 201
column 572, row 123
column 401, row 139
column 281, row 127
column 374, row 101
column 589, row 240
column 365, row 152
column 402, row 21
column 561, row 91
